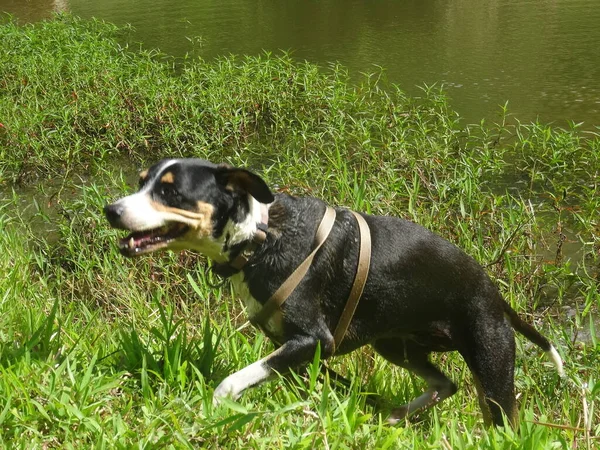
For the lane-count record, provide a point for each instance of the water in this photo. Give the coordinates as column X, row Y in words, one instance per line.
column 541, row 56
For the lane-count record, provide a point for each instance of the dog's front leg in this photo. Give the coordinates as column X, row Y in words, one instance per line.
column 293, row 353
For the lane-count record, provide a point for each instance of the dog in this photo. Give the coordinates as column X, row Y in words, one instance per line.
column 422, row 294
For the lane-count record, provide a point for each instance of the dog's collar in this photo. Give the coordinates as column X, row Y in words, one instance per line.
column 238, row 262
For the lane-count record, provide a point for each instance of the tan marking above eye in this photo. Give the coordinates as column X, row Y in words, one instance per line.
column 167, row 178
column 143, row 174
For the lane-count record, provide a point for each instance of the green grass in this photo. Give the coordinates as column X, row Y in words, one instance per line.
column 97, row 351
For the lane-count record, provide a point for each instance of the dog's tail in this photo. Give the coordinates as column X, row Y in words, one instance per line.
column 534, row 336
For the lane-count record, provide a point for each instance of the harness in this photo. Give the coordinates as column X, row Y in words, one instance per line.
column 287, row 287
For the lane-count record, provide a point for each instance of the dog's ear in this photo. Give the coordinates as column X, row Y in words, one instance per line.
column 245, row 181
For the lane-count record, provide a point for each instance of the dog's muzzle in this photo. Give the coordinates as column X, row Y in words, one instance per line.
column 144, row 240
column 113, row 214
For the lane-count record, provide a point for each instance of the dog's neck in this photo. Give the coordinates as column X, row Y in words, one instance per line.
column 241, row 238
column 238, row 232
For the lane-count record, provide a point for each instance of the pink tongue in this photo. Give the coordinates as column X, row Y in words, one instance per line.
column 138, row 239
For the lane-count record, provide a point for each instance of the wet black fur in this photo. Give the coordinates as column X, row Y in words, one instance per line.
column 423, row 294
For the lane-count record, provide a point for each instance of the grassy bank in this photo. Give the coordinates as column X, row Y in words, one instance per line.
column 98, row 351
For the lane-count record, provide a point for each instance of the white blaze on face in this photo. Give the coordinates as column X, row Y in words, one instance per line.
column 138, row 210
column 139, row 214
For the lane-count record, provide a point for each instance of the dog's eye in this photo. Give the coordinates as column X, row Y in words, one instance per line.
column 168, row 191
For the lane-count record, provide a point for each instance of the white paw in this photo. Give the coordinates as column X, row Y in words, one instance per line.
column 226, row 388
column 236, row 383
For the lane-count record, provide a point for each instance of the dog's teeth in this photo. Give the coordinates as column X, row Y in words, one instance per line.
column 131, row 243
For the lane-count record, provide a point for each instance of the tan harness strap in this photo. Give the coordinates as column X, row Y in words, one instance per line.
column 360, row 279
column 288, row 286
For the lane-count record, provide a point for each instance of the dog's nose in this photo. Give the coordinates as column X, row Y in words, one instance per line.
column 113, row 214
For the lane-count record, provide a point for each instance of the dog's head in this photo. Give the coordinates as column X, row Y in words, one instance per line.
column 189, row 204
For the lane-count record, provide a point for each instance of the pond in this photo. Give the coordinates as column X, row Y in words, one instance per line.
column 542, row 57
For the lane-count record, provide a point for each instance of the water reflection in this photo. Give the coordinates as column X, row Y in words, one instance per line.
column 33, row 10
column 540, row 56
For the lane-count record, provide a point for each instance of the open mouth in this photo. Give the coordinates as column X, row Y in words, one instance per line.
column 140, row 242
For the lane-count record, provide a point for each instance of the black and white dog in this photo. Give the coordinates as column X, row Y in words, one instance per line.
column 422, row 294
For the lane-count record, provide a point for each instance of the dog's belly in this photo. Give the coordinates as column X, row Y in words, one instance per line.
column 437, row 337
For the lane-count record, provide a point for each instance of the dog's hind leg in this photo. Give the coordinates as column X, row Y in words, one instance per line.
column 415, row 358
column 490, row 355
